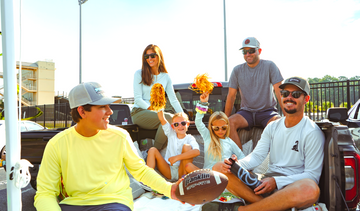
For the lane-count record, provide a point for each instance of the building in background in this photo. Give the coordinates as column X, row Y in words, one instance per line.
column 38, row 83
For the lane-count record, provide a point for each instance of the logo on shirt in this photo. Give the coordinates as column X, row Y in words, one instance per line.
column 296, row 146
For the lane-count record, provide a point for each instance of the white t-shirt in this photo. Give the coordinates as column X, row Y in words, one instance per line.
column 175, row 144
column 296, row 152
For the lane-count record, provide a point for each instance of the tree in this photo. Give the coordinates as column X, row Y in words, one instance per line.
column 326, row 105
column 310, row 106
column 313, row 80
column 328, row 78
column 355, row 78
column 344, row 105
column 342, row 78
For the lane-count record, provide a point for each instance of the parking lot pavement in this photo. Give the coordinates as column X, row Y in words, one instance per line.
column 27, row 195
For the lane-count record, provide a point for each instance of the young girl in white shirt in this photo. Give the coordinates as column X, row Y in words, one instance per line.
column 181, row 148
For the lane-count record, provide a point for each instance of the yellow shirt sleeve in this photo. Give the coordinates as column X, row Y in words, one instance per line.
column 143, row 173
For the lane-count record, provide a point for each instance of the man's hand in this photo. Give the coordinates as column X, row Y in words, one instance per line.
column 226, row 165
column 268, row 185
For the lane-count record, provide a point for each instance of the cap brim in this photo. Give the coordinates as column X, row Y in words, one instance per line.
column 282, row 86
column 106, row 101
column 249, row 46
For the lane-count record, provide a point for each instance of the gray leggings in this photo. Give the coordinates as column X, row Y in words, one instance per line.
column 148, row 119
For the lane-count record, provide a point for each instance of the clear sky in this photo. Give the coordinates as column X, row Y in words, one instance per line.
column 308, row 38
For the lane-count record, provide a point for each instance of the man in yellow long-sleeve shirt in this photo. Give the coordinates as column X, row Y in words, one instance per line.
column 90, row 158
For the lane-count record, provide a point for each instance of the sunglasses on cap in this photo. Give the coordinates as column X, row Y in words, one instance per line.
column 251, row 51
column 152, row 55
column 294, row 94
column 176, row 124
column 217, row 128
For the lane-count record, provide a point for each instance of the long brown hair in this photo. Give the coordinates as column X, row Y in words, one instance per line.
column 146, row 75
column 215, row 145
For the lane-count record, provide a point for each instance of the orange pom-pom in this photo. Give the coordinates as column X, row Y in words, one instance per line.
column 202, row 84
column 157, row 97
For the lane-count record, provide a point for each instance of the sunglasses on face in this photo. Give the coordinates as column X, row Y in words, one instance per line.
column 183, row 123
column 217, row 128
column 294, row 94
column 251, row 51
column 152, row 55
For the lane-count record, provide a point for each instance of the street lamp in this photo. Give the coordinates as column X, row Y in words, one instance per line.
column 80, row 3
column 225, row 51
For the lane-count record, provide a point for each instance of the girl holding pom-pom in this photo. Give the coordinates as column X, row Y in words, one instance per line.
column 153, row 71
column 217, row 144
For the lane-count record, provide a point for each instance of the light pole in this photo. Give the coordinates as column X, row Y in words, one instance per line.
column 225, row 51
column 80, row 61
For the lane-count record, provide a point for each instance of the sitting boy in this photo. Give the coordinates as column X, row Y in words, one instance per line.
column 92, row 182
column 181, row 148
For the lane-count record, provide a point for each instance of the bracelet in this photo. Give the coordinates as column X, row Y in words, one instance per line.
column 200, row 111
column 204, row 103
column 201, row 108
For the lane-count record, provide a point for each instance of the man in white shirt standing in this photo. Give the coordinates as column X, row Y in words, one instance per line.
column 296, row 146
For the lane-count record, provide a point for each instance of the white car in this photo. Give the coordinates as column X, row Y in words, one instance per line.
column 25, row 126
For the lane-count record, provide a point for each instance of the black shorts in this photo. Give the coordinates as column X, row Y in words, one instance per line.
column 260, row 118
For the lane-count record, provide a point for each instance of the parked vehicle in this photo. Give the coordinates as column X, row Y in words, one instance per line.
column 353, row 122
column 25, row 126
column 340, row 179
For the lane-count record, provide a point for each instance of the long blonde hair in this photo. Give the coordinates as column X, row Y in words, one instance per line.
column 215, row 145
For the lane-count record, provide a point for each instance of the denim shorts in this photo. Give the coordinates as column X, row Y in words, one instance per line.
column 102, row 207
column 260, row 118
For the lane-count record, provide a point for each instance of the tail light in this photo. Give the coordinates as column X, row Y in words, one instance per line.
column 216, row 84
column 352, row 177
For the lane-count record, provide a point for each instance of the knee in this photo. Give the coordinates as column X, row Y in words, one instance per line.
column 152, row 151
column 232, row 121
column 189, row 167
column 309, row 189
column 186, row 147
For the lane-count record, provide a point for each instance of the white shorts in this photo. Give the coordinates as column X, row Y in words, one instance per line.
column 174, row 172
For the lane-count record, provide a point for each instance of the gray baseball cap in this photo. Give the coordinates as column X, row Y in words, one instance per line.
column 302, row 83
column 250, row 42
column 89, row 93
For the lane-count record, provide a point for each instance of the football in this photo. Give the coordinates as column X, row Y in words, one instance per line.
column 201, row 186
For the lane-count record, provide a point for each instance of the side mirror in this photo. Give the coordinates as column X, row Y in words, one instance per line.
column 337, row 115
